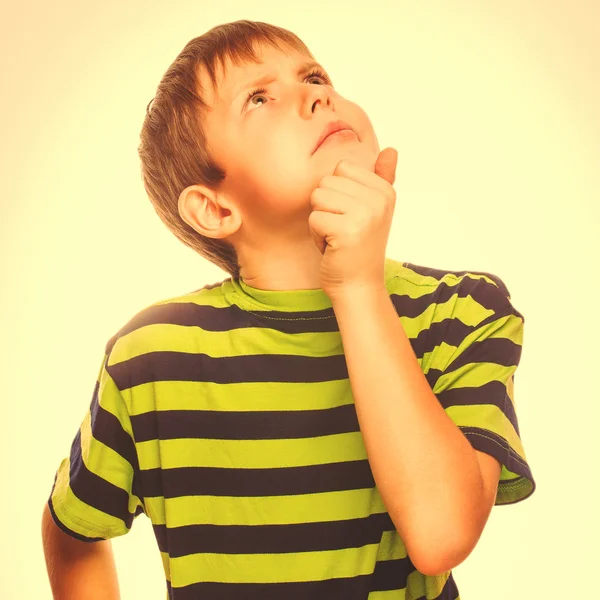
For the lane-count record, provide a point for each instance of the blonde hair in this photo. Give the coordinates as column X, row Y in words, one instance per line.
column 173, row 147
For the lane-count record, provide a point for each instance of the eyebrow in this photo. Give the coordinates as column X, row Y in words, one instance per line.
column 304, row 68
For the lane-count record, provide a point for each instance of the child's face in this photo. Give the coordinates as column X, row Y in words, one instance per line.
column 266, row 145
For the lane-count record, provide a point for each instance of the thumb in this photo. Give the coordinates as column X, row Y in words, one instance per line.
column 385, row 165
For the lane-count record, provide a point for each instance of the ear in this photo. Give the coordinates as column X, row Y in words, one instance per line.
column 209, row 212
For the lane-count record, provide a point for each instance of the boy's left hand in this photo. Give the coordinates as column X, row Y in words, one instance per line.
column 350, row 223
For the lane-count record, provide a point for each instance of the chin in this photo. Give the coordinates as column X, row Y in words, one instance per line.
column 358, row 153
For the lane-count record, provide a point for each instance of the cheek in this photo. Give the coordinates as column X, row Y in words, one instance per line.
column 269, row 182
column 279, row 165
column 366, row 132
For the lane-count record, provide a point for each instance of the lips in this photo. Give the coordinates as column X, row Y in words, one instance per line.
column 330, row 128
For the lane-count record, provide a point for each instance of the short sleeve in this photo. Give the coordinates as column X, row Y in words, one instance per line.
column 477, row 351
column 95, row 493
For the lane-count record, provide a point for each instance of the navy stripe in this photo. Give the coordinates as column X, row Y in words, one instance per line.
column 273, row 539
column 213, row 481
column 492, row 392
column 244, row 425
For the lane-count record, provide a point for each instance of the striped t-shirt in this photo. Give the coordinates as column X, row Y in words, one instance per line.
column 226, row 416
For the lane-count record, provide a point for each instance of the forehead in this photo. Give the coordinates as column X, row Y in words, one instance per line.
column 231, row 73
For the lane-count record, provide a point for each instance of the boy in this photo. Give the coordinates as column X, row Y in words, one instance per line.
column 325, row 423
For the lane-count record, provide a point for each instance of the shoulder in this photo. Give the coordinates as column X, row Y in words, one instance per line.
column 433, row 277
column 420, row 290
column 163, row 324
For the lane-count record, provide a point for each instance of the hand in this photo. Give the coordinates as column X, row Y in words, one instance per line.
column 350, row 223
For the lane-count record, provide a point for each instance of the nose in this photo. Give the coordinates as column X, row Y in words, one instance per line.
column 322, row 96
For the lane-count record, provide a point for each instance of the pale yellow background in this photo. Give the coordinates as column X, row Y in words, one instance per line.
column 494, row 108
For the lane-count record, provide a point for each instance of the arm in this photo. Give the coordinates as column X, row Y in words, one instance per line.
column 426, row 470
column 78, row 569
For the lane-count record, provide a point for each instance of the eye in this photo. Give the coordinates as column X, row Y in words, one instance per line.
column 261, row 91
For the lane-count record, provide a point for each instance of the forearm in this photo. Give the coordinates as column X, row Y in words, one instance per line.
column 78, row 569
column 425, row 469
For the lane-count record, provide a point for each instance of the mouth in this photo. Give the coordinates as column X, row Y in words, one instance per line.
column 330, row 129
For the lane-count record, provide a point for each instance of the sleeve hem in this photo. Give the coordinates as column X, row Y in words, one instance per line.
column 66, row 520
column 510, row 489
